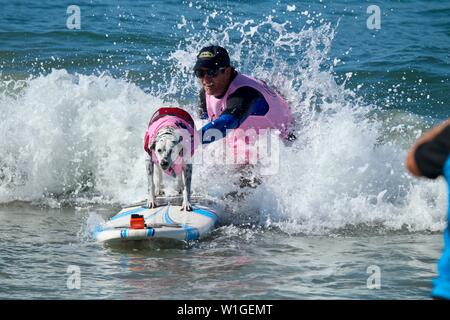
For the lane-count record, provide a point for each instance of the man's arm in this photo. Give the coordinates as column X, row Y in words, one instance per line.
column 428, row 155
column 201, row 108
column 240, row 105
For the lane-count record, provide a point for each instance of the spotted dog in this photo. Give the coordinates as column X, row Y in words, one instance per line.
column 169, row 147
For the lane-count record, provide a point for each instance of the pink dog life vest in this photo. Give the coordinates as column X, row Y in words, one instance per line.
column 278, row 117
column 183, row 124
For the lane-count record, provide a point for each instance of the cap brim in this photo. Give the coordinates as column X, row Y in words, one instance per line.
column 207, row 64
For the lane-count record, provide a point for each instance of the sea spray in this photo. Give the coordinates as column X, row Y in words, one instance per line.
column 346, row 167
column 67, row 134
column 78, row 138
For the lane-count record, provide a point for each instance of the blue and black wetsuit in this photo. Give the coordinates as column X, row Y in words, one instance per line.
column 240, row 104
column 433, row 160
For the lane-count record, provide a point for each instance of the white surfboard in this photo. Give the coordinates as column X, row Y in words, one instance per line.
column 165, row 221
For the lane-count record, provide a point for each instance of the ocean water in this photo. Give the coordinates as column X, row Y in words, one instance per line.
column 341, row 208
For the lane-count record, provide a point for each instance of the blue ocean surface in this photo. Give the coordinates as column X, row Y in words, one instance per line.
column 76, row 98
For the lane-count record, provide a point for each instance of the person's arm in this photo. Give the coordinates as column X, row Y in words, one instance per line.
column 223, row 123
column 240, row 105
column 201, row 108
column 428, row 155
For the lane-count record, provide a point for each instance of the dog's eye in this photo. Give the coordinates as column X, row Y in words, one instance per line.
column 159, row 150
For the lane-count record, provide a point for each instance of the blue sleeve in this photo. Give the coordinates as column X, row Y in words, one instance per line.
column 257, row 107
column 223, row 123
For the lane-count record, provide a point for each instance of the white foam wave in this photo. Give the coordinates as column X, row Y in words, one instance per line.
column 80, row 137
column 65, row 134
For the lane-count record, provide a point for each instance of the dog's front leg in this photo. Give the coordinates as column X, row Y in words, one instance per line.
column 151, row 203
column 158, row 181
column 186, row 175
column 180, row 184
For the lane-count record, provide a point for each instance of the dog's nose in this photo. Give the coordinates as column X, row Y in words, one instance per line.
column 164, row 163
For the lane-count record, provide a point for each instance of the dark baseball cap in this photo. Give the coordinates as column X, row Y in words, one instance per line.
column 212, row 57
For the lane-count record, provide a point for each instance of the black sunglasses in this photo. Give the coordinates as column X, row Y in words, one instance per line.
column 209, row 72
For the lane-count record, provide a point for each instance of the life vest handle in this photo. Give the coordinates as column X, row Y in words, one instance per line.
column 171, row 111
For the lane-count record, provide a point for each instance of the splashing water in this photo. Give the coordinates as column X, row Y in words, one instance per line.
column 65, row 134
column 73, row 138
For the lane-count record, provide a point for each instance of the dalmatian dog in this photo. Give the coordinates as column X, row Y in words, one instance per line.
column 167, row 143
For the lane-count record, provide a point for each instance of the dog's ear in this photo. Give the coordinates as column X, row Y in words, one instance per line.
column 182, row 148
column 152, row 147
column 179, row 140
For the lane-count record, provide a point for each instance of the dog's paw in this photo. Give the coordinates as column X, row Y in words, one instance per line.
column 151, row 204
column 186, row 206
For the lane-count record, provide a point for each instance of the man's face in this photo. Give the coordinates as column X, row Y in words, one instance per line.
column 215, row 85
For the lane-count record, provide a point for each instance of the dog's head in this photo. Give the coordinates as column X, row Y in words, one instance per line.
column 167, row 147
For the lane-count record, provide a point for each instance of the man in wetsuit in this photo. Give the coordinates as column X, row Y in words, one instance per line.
column 238, row 106
column 231, row 100
column 430, row 157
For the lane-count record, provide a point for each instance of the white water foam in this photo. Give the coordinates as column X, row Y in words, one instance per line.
column 73, row 137
column 66, row 133
column 346, row 167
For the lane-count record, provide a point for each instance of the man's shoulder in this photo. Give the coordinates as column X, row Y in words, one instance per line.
column 245, row 92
